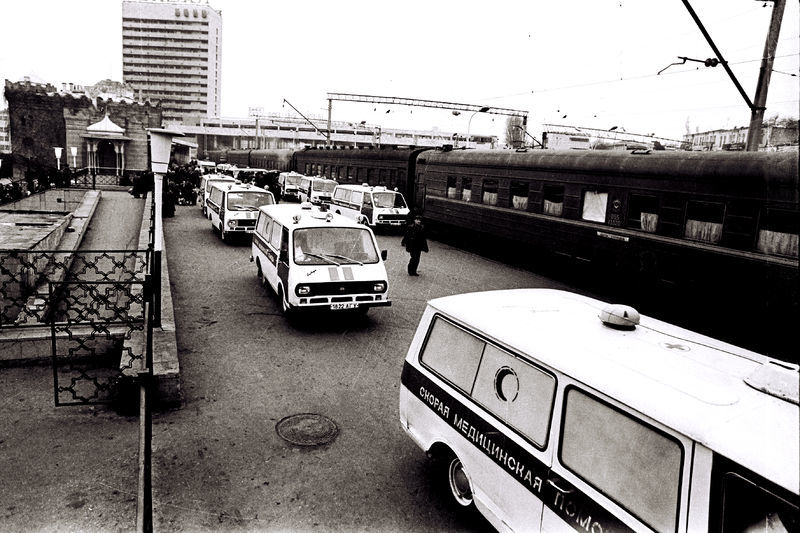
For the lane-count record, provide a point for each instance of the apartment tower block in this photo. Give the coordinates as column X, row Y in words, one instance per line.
column 171, row 52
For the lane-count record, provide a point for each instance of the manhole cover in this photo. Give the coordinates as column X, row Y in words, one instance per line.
column 307, row 429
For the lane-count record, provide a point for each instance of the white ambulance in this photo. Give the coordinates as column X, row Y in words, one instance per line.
column 314, row 259
column 233, row 207
column 206, row 181
column 550, row 411
column 316, row 189
column 289, row 182
column 376, row 206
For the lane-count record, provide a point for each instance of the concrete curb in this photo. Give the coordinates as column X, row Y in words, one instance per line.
column 166, row 368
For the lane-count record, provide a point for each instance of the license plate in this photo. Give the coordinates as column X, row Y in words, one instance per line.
column 347, row 305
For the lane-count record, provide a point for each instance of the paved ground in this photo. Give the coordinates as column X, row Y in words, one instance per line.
column 69, row 468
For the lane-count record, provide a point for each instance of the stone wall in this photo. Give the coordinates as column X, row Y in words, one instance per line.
column 40, row 118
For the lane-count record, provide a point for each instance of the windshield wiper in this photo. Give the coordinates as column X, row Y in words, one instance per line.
column 345, row 258
column 318, row 256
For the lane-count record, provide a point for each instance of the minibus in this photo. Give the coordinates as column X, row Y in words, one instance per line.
column 549, row 411
column 314, row 259
column 206, row 181
column 376, row 206
column 316, row 189
column 289, row 182
column 233, row 207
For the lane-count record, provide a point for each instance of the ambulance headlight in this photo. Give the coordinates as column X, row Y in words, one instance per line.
column 232, row 223
column 303, row 290
column 379, row 286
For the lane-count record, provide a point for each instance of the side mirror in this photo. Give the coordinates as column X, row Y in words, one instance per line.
column 384, row 254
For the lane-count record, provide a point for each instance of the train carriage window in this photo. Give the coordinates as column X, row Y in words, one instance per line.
column 452, row 192
column 778, row 232
column 553, row 200
column 334, row 172
column 489, row 196
column 704, row 221
column 307, row 168
column 594, row 206
column 519, row 195
column 466, row 189
column 643, row 213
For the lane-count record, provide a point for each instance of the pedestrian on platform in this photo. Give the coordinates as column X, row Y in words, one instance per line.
column 415, row 242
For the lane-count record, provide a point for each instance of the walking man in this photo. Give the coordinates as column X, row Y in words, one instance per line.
column 415, row 242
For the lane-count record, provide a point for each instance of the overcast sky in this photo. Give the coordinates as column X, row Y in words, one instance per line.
column 590, row 63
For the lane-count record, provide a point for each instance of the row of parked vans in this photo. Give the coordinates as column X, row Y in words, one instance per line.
column 375, row 206
column 310, row 257
column 545, row 410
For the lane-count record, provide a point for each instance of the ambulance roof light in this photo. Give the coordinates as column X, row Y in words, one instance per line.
column 619, row 316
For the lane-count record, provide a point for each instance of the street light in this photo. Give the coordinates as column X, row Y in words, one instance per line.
column 74, row 151
column 58, row 150
column 484, row 109
column 160, row 145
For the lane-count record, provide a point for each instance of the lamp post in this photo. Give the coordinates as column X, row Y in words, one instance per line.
column 484, row 109
column 160, row 144
column 58, row 150
column 74, row 151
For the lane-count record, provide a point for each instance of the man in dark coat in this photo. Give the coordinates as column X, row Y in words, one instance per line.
column 415, row 242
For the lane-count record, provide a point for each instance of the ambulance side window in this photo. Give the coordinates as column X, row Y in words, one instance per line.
column 264, row 226
column 453, row 353
column 749, row 505
column 516, row 392
column 275, row 235
column 367, row 200
column 631, row 462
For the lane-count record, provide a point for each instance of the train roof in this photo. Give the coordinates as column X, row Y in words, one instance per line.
column 777, row 167
column 691, row 383
column 383, row 153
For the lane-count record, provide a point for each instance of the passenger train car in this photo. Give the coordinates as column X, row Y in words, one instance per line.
column 712, row 236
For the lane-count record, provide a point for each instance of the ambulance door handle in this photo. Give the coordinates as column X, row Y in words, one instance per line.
column 554, row 483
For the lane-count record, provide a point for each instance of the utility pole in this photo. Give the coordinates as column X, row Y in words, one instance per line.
column 756, row 108
column 759, row 105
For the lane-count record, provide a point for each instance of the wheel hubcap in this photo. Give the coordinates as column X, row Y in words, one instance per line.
column 459, row 483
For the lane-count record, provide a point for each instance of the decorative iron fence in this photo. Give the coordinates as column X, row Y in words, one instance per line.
column 98, row 338
column 25, row 298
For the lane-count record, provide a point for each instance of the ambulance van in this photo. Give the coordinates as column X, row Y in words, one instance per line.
column 233, row 207
column 206, row 181
column 316, row 189
column 315, row 259
column 550, row 411
column 376, row 206
column 289, row 182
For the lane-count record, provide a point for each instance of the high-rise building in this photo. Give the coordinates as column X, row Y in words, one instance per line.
column 171, row 52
